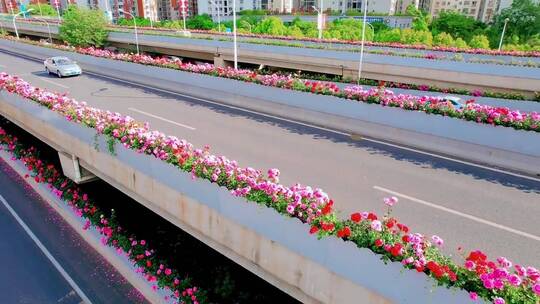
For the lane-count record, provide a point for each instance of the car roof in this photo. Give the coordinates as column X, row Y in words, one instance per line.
column 59, row 57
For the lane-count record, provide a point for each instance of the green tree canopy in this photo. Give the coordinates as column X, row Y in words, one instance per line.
column 420, row 19
column 271, row 26
column 479, row 42
column 457, row 25
column 46, row 10
column 84, row 27
column 202, row 22
column 523, row 21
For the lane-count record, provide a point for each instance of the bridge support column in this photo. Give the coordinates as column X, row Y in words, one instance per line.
column 73, row 170
column 222, row 63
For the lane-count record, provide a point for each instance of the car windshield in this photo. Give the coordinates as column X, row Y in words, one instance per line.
column 63, row 61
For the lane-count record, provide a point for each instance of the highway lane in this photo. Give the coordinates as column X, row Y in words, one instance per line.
column 466, row 205
column 29, row 274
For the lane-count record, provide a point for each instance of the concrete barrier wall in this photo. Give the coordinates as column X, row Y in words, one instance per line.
column 275, row 247
column 498, row 146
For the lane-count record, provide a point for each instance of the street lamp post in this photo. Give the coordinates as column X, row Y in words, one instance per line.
column 218, row 14
column 135, row 25
column 502, row 34
column 234, row 36
column 48, row 28
column 319, row 20
column 363, row 41
column 15, row 24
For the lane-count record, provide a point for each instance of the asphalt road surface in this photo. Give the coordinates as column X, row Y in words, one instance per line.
column 32, row 274
column 468, row 206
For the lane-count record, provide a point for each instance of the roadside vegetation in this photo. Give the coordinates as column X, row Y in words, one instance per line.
column 449, row 29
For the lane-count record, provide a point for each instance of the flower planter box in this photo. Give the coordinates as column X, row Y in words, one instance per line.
column 275, row 247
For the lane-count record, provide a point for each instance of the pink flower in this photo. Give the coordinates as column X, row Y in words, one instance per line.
column 168, row 271
column 469, row 265
column 437, row 240
column 390, row 201
column 536, row 288
column 376, row 225
column 498, row 300
column 143, row 242
column 473, row 295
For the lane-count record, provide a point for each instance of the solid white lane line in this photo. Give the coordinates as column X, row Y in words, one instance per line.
column 320, row 128
column 458, row 213
column 161, row 118
column 46, row 252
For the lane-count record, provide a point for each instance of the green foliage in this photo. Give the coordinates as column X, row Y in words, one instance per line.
column 84, row 27
column 410, row 36
column 46, row 10
column 457, row 24
column 253, row 13
column 479, row 42
column 271, row 26
column 142, row 22
column 460, row 43
column 380, row 26
column 347, row 29
column 443, row 39
column 203, row 22
column 393, row 35
column 420, row 19
column 523, row 22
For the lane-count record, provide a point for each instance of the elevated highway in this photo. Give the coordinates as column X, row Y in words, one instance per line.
column 444, row 73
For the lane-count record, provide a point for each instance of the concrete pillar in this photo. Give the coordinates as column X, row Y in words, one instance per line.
column 73, row 170
column 222, row 63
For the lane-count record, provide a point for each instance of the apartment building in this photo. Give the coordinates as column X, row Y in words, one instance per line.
column 225, row 7
column 482, row 10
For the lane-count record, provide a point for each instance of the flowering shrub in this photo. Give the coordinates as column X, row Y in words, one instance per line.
column 138, row 251
column 495, row 281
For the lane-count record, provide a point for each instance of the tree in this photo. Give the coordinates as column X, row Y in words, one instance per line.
column 46, row 10
column 200, row 22
column 393, row 35
column 84, row 27
column 420, row 19
column 479, row 42
column 347, row 29
column 460, row 43
column 271, row 26
column 410, row 36
column 457, row 25
column 523, row 22
column 443, row 39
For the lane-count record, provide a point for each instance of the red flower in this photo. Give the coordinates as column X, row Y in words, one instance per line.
column 390, row 223
column 313, row 229
column 329, row 227
column 356, row 217
column 328, row 208
column 379, row 242
column 396, row 250
column 148, row 263
column 405, row 238
column 372, row 216
column 344, row 233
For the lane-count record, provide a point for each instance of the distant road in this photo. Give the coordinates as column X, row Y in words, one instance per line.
column 31, row 274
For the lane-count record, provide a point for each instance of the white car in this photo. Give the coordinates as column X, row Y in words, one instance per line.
column 62, row 66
